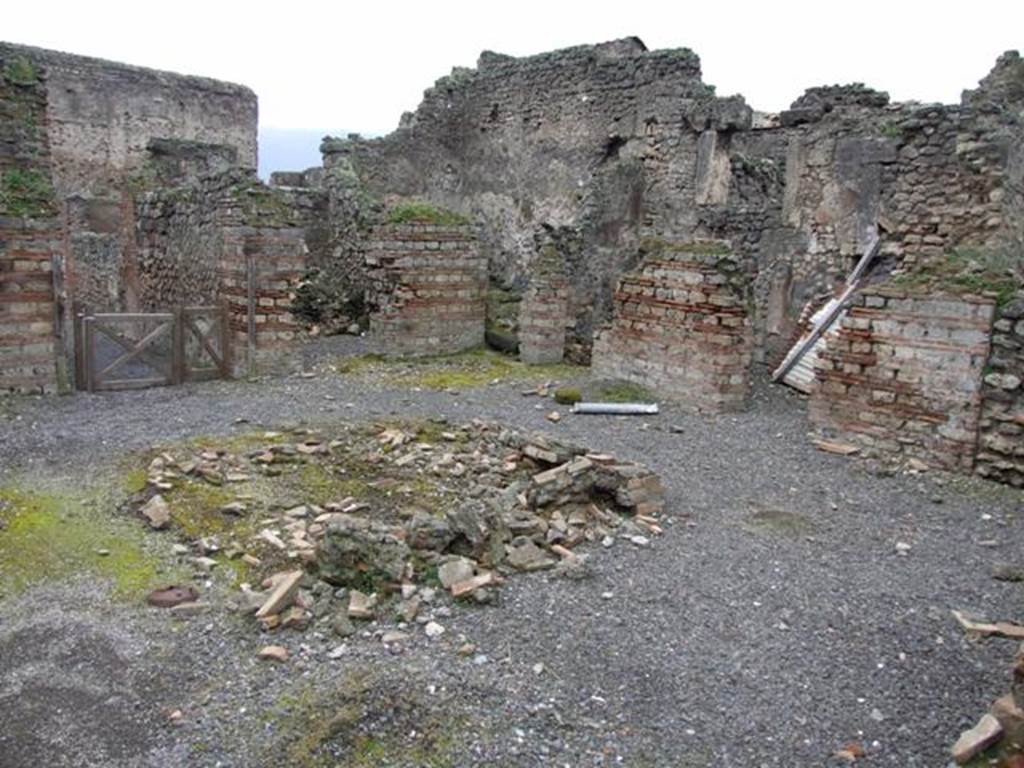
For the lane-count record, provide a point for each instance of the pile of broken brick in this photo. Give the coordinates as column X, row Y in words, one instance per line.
column 512, row 503
column 1001, row 729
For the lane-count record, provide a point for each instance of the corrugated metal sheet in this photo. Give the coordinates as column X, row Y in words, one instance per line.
column 798, row 369
column 802, row 375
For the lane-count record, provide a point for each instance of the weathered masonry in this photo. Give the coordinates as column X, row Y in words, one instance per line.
column 681, row 326
column 599, row 204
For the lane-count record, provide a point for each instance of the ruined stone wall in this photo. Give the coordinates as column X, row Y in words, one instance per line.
column 103, row 115
column 903, row 377
column 616, row 143
column 113, row 130
column 429, row 288
column 30, row 235
column 600, row 139
column 1000, row 443
column 682, row 327
column 933, row 178
column 229, row 238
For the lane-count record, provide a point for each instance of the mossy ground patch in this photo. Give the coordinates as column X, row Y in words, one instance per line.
column 465, row 370
column 50, row 535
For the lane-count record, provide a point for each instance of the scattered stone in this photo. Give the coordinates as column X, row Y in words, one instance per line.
column 1008, row 712
column 342, row 625
column 281, row 597
column 190, row 608
column 272, row 538
column 206, row 564
column 235, row 508
column 168, row 597
column 337, row 652
column 394, row 636
column 469, row 586
column 851, row 752
column 409, row 609
column 524, row 555
column 1008, row 572
column 361, row 605
column 1005, row 629
column 295, row 618
column 433, row 629
column 640, row 541
column 902, row 548
column 457, row 570
column 157, row 512
column 976, row 740
column 832, row 446
column 554, row 417
column 466, row 649
column 273, row 653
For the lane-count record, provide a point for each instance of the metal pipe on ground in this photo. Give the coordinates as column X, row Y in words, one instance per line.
column 616, row 409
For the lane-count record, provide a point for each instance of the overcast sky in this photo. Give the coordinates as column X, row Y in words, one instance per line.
column 358, row 66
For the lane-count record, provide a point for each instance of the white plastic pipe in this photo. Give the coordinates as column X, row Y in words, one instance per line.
column 620, row 409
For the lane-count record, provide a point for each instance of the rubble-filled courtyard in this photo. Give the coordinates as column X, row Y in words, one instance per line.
column 787, row 606
column 588, row 418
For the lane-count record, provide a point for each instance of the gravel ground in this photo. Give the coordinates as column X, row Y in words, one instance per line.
column 772, row 623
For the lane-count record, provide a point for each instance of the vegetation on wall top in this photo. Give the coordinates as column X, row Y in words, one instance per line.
column 20, row 71
column 424, row 213
column 26, row 193
column 994, row 272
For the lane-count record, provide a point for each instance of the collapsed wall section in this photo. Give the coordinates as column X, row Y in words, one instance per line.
column 429, row 286
column 902, row 378
column 682, row 327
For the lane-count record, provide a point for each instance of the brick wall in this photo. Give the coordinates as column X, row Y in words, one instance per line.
column 1000, row 443
column 229, row 238
column 902, row 378
column 276, row 258
column 27, row 307
column 544, row 311
column 681, row 327
column 429, row 289
column 30, row 236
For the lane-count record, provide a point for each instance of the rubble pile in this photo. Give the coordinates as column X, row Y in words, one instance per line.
column 999, row 733
column 432, row 511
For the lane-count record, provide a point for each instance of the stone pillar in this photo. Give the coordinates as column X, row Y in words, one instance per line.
column 429, row 289
column 681, row 327
column 544, row 311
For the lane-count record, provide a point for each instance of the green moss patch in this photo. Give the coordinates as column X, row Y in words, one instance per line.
column 26, row 193
column 979, row 271
column 20, row 71
column 359, row 722
column 704, row 247
column 567, row 396
column 424, row 213
column 47, row 536
column 619, row 392
column 465, row 370
column 779, row 521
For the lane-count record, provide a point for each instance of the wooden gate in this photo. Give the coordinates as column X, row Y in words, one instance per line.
column 115, row 351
